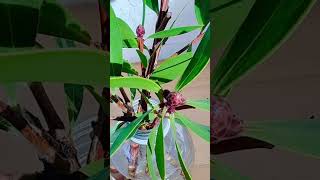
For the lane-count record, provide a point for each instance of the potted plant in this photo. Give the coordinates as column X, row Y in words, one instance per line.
column 26, row 60
column 258, row 30
column 150, row 139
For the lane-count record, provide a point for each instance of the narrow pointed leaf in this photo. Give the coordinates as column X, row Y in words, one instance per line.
column 202, row 11
column 174, row 32
column 171, row 68
column 74, row 96
column 266, row 27
column 134, row 82
column 55, row 66
column 116, row 60
column 153, row 4
column 198, row 62
column 199, row 129
column 143, row 58
column 226, row 17
column 125, row 133
column 160, row 152
column 126, row 31
column 150, row 153
column 294, row 135
column 200, row 104
column 181, row 161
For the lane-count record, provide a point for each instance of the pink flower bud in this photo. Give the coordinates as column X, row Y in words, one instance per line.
column 140, row 31
column 174, row 100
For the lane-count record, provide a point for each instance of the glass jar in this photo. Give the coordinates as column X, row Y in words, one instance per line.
column 122, row 159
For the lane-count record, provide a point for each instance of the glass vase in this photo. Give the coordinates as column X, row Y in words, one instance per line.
column 134, row 165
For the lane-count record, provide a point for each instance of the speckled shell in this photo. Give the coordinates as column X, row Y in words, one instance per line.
column 224, row 124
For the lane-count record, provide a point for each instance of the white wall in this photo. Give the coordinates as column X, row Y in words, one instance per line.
column 131, row 12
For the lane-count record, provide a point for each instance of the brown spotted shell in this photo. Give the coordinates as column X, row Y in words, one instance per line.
column 224, row 124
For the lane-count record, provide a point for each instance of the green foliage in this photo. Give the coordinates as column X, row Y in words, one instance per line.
column 173, row 32
column 116, row 60
column 200, row 104
column 199, row 129
column 293, row 135
column 55, row 66
column 160, row 151
column 134, row 82
column 124, row 133
column 198, row 62
column 258, row 37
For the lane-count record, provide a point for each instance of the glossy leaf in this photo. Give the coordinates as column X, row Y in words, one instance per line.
column 174, row 32
column 143, row 58
column 160, row 151
column 65, row 65
column 128, row 68
column 171, row 68
column 150, row 153
column 74, row 96
column 198, row 62
column 296, row 135
column 93, row 168
column 180, row 158
column 202, row 11
column 200, row 104
column 116, row 60
column 126, row 31
column 134, row 82
column 199, row 129
column 226, row 17
column 125, row 133
column 153, row 4
column 266, row 27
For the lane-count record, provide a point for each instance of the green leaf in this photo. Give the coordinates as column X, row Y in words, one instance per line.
column 74, row 95
column 266, row 27
column 181, row 161
column 130, row 43
column 143, row 58
column 171, row 68
column 202, row 11
column 293, row 135
column 127, row 68
column 125, row 133
column 174, row 32
column 93, row 168
column 17, row 32
column 150, row 152
column 77, row 66
column 226, row 17
column 153, row 4
column 199, row 129
column 198, row 62
column 220, row 171
column 102, row 101
column 160, row 151
column 126, row 31
column 56, row 21
column 200, row 104
column 116, row 60
column 134, row 82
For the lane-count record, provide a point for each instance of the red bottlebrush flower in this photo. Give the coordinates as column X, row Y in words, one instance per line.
column 174, row 100
column 224, row 124
column 140, row 31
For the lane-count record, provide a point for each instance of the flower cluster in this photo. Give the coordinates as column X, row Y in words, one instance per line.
column 174, row 99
